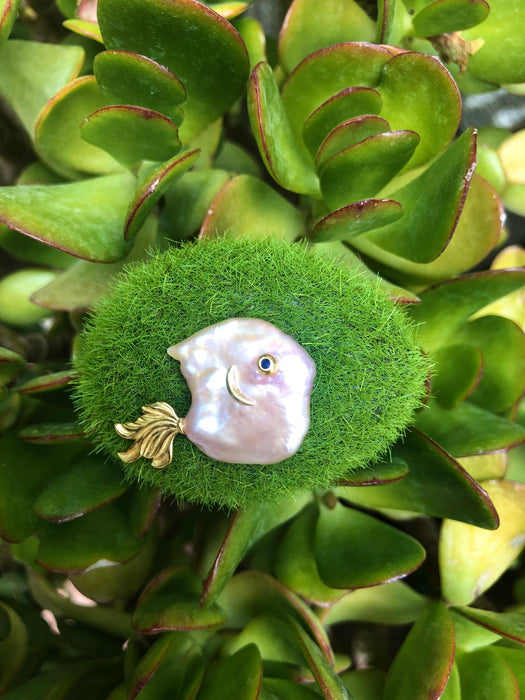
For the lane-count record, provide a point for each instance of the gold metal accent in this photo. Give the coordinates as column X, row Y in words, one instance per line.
column 232, row 379
column 272, row 369
column 153, row 434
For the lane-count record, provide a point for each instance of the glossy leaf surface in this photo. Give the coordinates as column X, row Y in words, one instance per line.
column 16, row 288
column 13, row 646
column 238, row 676
column 203, row 50
column 443, row 16
column 458, row 370
column 47, row 382
column 342, row 549
column 8, row 12
column 471, row 559
column 349, row 133
column 485, row 675
column 85, row 219
column 511, row 624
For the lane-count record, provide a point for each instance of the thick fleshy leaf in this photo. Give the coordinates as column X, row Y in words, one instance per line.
column 151, row 661
column 131, row 79
column 254, row 38
column 85, row 219
column 422, row 233
column 171, row 602
column 389, row 604
column 349, row 133
column 483, row 467
column 197, row 45
column 57, row 135
column 247, row 206
column 32, row 73
column 229, row 10
column 362, row 170
column 281, row 150
column 488, row 62
column 29, row 250
column 471, row 559
column 282, row 689
column 344, row 539
column 477, row 232
column 306, row 30
column 344, row 105
column 73, row 547
column 458, row 370
column 25, row 471
column 8, row 12
column 11, row 364
column 468, row 430
column 274, row 637
column 365, row 684
column 469, row 635
column 445, row 307
column 435, row 485
column 154, row 186
column 51, row 433
column 485, row 675
column 188, row 200
column 88, row 485
column 13, row 647
column 47, row 382
column 516, row 661
column 442, row 16
column 511, row 306
column 422, row 665
column 510, row 624
column 131, row 134
column 502, row 345
column 326, row 72
column 295, row 563
column 246, row 527
column 16, row 288
column 511, row 154
column 238, row 676
column 144, row 504
column 85, row 282
column 85, row 28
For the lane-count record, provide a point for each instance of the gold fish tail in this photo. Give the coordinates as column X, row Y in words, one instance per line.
column 153, row 434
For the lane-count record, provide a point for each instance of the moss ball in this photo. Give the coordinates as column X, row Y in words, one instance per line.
column 370, row 371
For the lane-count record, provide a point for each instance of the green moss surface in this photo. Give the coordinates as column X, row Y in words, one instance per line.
column 370, row 372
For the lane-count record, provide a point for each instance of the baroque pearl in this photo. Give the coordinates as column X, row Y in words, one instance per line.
column 250, row 385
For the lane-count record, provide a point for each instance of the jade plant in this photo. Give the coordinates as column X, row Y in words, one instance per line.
column 180, row 163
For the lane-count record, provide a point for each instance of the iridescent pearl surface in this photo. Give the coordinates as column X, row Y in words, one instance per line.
column 250, row 385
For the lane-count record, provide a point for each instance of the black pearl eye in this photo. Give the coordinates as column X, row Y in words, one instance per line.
column 267, row 364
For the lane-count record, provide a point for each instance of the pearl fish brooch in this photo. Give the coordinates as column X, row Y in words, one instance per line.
column 250, row 385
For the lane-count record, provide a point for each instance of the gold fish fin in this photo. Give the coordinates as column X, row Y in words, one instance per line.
column 153, row 433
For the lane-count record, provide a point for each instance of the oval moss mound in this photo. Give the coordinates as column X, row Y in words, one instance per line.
column 370, row 372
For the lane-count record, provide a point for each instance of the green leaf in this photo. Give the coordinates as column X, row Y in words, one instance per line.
column 11, row 364
column 32, row 73
column 171, row 602
column 344, row 105
column 500, row 28
column 203, row 50
column 273, row 636
column 366, row 684
column 73, row 547
column 131, row 79
column 246, row 527
column 443, row 16
column 247, row 206
column 295, row 563
column 8, row 13
column 131, row 134
column 25, row 470
column 84, row 219
column 57, row 135
column 254, row 39
column 187, row 201
column 84, row 28
column 144, row 504
column 282, row 151
column 422, row 665
column 326, row 72
column 378, row 473
column 151, row 661
column 445, row 307
column 154, row 186
column 468, row 429
column 30, row 250
column 282, row 689
column 362, row 170
column 458, row 370
column 51, row 433
column 47, row 382
column 13, row 647
column 238, row 676
column 483, row 467
column 344, row 540
column 388, row 604
column 423, row 231
column 486, row 675
column 469, row 635
column 88, row 485
column 510, row 624
column 349, row 133
column 306, row 30
column 502, row 345
column 471, row 559
column 16, row 288
column 435, row 485
column 516, row 661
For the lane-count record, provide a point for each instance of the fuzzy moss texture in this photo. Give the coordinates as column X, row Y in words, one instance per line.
column 370, row 372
